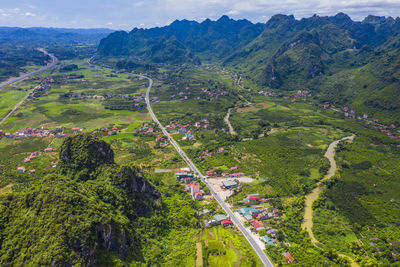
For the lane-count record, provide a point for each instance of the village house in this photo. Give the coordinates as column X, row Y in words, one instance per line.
column 182, row 130
column 265, row 215
column 21, row 169
column 229, row 184
column 253, row 199
column 183, row 174
column 234, row 168
column 258, row 225
column 49, row 149
column 194, row 190
column 289, row 257
column 248, row 212
column 226, row 223
column 268, row 240
column 219, row 218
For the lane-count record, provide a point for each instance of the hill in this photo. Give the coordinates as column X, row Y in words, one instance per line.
column 78, row 214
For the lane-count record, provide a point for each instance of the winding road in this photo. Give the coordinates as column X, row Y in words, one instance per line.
column 17, row 79
column 20, row 78
column 227, row 121
column 310, row 198
column 261, row 254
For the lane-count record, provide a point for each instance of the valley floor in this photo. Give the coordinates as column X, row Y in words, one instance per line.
column 288, row 153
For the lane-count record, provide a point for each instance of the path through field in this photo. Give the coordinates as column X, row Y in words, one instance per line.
column 227, row 121
column 310, row 198
column 199, row 257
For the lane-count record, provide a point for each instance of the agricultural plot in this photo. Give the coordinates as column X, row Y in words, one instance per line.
column 224, row 247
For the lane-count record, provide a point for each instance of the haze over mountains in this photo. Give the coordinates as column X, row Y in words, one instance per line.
column 16, row 34
column 318, row 53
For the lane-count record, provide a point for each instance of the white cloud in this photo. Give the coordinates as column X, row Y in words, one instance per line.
column 233, row 12
column 29, row 14
column 149, row 13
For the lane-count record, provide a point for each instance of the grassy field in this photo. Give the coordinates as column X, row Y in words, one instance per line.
column 224, row 247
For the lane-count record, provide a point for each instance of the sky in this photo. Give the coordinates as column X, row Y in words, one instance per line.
column 127, row 14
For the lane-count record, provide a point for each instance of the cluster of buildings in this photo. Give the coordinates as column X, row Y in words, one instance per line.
column 40, row 132
column 161, row 141
column 40, row 90
column 29, row 132
column 146, row 129
column 213, row 95
column 253, row 199
column 375, row 123
column 134, row 98
column 302, row 94
column 185, row 176
column 266, row 93
column 35, row 155
column 185, row 127
column 113, row 131
column 220, row 219
column 181, row 96
column 207, row 154
column 256, row 217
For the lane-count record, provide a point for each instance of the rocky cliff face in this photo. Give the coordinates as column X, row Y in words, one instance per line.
column 132, row 181
column 77, row 215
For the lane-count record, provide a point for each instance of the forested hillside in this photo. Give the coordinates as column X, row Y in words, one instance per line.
column 81, row 214
column 183, row 41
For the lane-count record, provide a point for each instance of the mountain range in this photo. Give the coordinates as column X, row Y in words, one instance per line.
column 351, row 62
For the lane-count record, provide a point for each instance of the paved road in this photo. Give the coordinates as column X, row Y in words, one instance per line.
column 20, row 78
column 32, row 73
column 263, row 257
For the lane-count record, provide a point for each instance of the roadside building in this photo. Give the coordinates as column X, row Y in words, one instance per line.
column 229, row 184
column 219, row 218
column 248, row 212
column 257, row 224
column 253, row 199
column 268, row 240
column 198, row 195
column 226, row 223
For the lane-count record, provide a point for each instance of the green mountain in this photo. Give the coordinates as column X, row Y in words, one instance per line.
column 370, row 88
column 82, row 214
column 292, row 52
column 182, row 41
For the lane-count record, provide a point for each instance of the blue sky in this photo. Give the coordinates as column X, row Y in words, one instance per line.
column 127, row 14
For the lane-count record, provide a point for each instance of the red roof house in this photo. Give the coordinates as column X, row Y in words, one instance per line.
column 226, row 223
column 257, row 224
column 289, row 257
